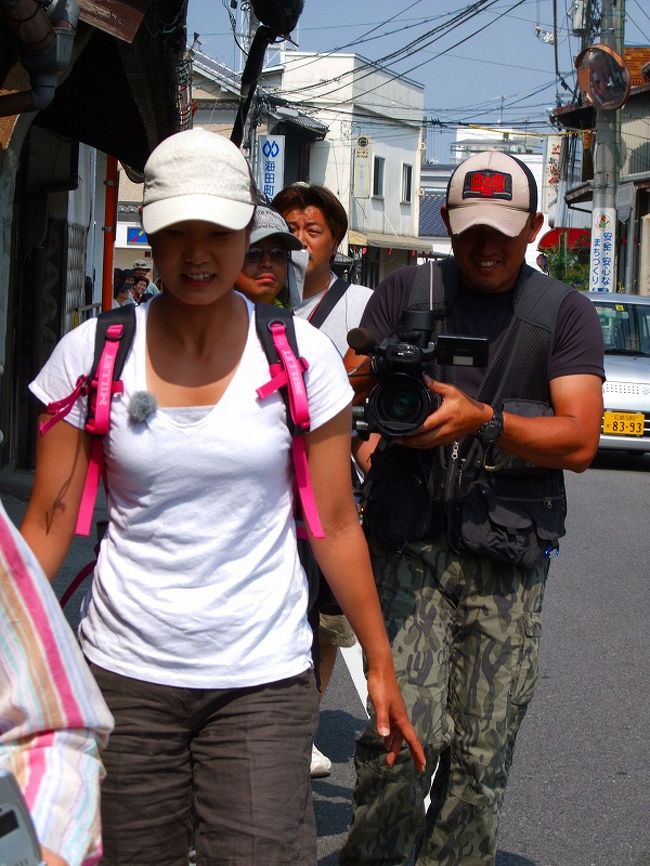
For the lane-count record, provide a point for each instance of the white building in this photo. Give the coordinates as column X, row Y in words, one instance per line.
column 337, row 120
column 370, row 156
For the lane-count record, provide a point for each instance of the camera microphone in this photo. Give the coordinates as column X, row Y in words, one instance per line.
column 361, row 340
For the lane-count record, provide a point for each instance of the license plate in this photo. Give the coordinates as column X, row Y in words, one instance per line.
column 623, row 423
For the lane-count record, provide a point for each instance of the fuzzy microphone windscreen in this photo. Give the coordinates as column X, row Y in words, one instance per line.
column 142, row 405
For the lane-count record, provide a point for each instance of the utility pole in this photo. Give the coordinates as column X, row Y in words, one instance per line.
column 606, row 166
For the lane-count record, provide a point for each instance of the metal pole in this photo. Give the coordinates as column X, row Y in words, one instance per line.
column 110, row 230
column 606, row 166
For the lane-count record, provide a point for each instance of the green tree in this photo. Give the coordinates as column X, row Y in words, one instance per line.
column 570, row 266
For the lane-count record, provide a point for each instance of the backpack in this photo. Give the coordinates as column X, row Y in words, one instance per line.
column 114, row 335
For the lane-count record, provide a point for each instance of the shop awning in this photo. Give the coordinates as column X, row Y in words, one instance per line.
column 575, row 239
column 399, row 242
column 357, row 239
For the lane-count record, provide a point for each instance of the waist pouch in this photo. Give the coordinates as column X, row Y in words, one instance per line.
column 518, row 520
column 400, row 501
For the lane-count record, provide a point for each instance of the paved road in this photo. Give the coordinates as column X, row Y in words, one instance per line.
column 579, row 787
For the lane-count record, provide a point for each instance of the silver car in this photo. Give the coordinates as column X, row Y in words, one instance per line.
column 625, row 322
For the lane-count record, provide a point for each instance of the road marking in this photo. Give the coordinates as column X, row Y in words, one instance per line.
column 353, row 658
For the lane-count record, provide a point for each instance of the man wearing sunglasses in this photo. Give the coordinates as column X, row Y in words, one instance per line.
column 263, row 278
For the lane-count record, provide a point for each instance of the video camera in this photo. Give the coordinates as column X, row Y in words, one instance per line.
column 400, row 401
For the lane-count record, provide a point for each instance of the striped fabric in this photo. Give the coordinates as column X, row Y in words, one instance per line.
column 53, row 719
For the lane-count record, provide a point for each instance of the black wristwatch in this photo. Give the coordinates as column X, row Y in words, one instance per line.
column 489, row 432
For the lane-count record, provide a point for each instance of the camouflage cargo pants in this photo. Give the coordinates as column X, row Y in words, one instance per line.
column 465, row 635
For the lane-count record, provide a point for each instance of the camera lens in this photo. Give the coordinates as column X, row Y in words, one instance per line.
column 399, row 404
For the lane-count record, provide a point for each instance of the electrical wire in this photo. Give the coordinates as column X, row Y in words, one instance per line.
column 629, row 17
column 441, row 53
column 366, row 37
column 466, row 14
column 642, row 10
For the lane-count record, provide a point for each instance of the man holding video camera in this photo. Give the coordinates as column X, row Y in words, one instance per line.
column 483, row 392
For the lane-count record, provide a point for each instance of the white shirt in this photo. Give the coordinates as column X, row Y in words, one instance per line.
column 345, row 315
column 198, row 581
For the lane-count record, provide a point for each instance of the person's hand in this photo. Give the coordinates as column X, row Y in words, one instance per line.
column 392, row 719
column 457, row 416
column 52, row 859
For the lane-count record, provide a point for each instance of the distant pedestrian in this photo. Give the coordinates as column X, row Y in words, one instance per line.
column 142, row 270
column 140, row 292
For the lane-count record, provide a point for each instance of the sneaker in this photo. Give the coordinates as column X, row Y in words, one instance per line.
column 321, row 765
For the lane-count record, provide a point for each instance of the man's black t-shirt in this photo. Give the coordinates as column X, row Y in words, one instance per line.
column 577, row 349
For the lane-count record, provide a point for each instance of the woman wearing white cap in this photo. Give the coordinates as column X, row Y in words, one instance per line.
column 196, row 626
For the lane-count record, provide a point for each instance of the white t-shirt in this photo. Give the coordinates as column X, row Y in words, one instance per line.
column 198, row 581
column 345, row 315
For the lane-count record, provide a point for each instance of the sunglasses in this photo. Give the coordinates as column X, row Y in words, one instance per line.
column 279, row 255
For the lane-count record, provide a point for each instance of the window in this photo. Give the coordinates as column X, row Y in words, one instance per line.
column 378, row 176
column 407, row 183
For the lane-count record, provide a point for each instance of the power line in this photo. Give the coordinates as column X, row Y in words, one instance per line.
column 466, row 14
column 451, row 47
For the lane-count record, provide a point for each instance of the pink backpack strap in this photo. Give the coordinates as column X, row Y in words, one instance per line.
column 102, row 386
column 101, row 389
column 289, row 373
column 94, row 474
column 305, row 489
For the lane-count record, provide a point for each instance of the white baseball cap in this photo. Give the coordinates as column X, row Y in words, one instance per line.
column 492, row 189
column 197, row 175
column 269, row 223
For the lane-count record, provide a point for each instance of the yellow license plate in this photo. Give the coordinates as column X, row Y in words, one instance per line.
column 623, row 423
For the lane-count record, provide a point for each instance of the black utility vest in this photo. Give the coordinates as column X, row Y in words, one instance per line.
column 411, row 495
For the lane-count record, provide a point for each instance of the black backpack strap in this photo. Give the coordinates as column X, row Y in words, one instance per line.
column 332, row 296
column 119, row 316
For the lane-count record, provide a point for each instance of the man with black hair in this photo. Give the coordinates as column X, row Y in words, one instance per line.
column 318, row 219
column 463, row 515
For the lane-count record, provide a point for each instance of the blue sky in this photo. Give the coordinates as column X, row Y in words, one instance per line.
column 493, row 67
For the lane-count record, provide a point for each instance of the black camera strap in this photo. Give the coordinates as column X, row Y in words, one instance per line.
column 331, row 298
